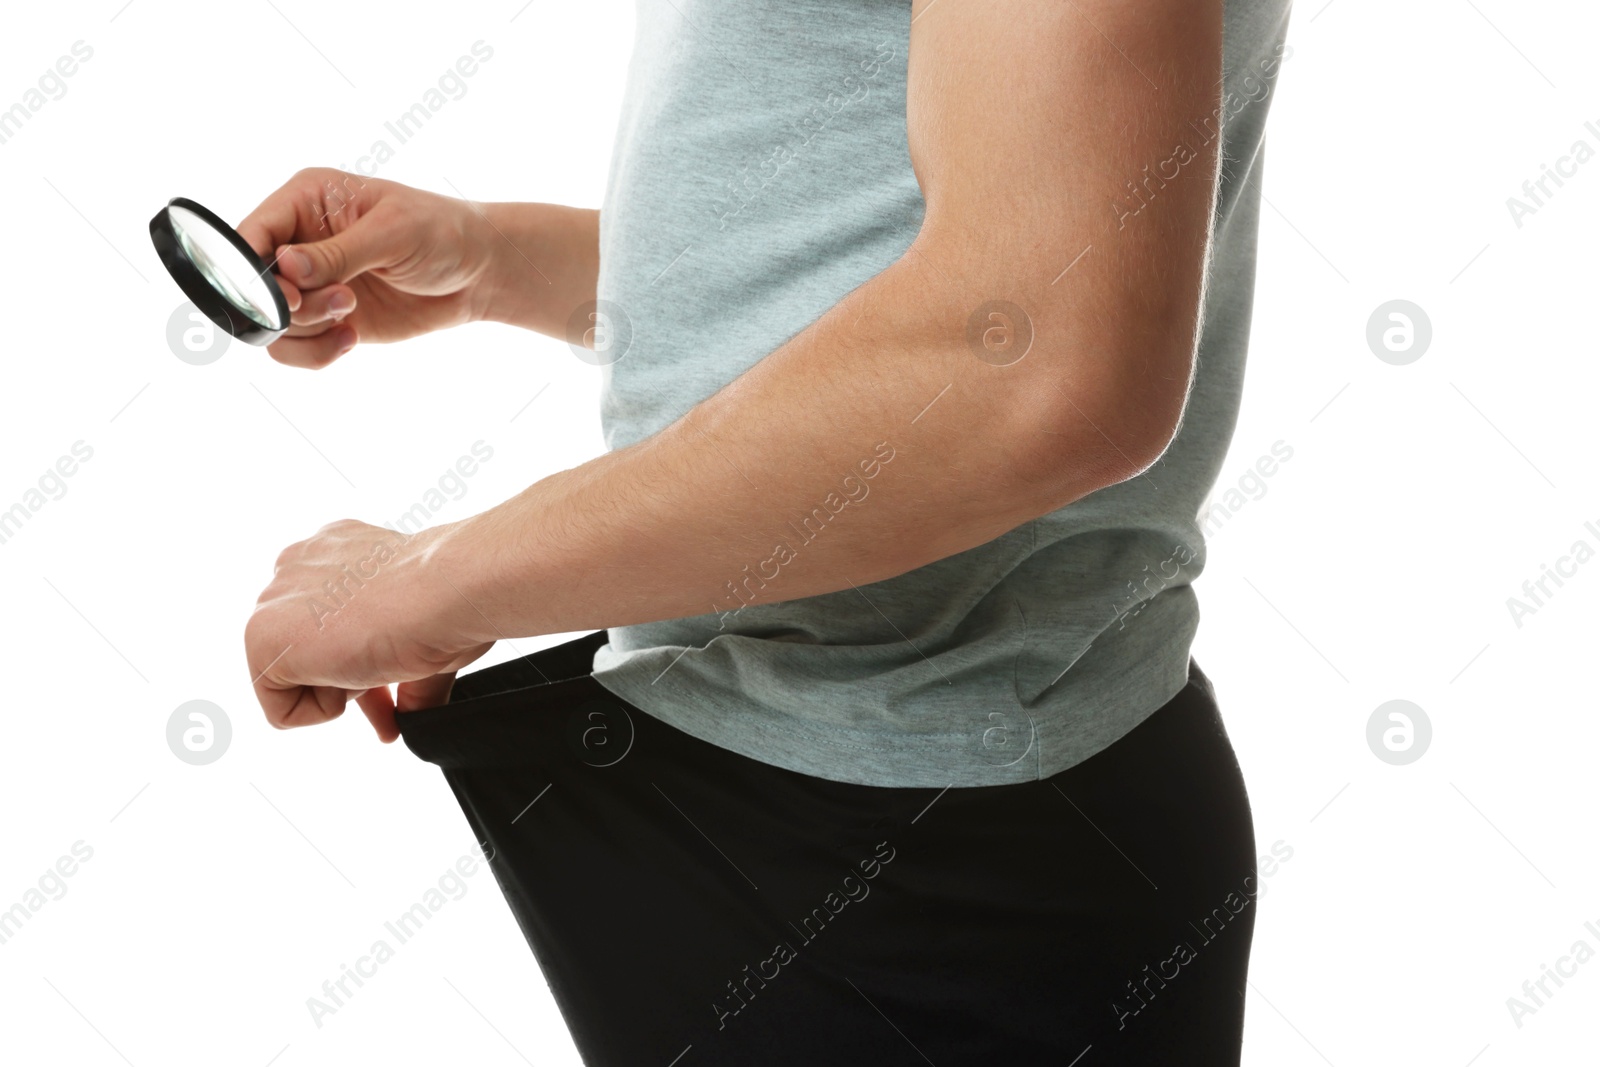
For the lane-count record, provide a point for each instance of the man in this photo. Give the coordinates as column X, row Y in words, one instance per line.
column 922, row 331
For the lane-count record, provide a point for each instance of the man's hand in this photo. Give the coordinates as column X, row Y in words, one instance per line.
column 349, row 611
column 363, row 259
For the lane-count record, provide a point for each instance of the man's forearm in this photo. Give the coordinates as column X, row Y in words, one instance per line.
column 874, row 442
column 544, row 261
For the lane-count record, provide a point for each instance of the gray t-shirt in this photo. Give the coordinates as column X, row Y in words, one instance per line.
column 760, row 174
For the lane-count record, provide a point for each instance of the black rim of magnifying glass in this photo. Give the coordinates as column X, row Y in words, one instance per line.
column 216, row 307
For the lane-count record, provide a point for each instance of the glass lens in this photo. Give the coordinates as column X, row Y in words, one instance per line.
column 225, row 267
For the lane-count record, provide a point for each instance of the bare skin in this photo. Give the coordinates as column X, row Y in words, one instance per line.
column 658, row 529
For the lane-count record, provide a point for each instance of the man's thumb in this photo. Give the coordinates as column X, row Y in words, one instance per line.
column 372, row 241
column 425, row 693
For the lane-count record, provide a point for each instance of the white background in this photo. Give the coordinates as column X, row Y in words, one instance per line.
column 1375, row 565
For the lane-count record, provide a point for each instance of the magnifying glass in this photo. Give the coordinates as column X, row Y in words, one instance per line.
column 219, row 271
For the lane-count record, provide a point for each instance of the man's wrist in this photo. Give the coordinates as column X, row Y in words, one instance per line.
column 481, row 576
column 541, row 263
column 493, row 296
column 440, row 596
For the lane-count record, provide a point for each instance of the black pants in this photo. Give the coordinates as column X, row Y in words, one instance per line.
column 692, row 906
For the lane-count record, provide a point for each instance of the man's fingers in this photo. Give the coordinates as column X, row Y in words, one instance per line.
column 315, row 351
column 275, row 219
column 291, row 292
column 306, row 206
column 433, row 691
column 378, row 705
column 319, row 306
column 304, row 705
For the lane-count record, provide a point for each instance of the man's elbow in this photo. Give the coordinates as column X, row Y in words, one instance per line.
column 1105, row 420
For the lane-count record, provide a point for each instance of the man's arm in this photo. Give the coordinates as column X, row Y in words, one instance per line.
column 1025, row 122
column 1029, row 126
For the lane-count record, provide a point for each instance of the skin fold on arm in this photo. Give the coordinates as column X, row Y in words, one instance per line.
column 1026, row 123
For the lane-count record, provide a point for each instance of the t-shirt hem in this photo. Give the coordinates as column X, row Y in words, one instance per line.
column 1092, row 712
